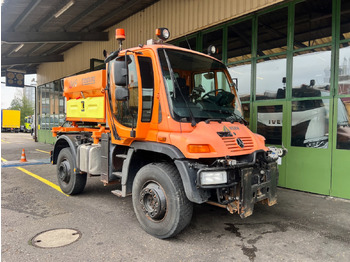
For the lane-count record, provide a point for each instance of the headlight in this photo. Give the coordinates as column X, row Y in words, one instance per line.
column 213, row 177
column 275, row 153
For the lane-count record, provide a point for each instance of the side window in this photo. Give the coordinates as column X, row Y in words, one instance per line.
column 222, row 82
column 147, row 80
column 205, row 80
column 169, row 83
column 126, row 111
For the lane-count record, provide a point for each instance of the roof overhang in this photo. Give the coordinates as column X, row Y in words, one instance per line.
column 39, row 31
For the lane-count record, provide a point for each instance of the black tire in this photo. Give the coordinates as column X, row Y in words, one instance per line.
column 159, row 200
column 70, row 183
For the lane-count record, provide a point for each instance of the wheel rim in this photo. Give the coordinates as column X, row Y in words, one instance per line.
column 153, row 201
column 64, row 171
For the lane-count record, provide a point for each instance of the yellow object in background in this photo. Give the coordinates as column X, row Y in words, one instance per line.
column 10, row 118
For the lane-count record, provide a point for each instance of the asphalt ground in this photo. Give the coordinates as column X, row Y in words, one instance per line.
column 301, row 227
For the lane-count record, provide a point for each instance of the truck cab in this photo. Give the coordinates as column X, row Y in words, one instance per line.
column 164, row 124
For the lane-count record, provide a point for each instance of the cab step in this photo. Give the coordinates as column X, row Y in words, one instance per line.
column 117, row 192
column 117, row 174
column 121, row 156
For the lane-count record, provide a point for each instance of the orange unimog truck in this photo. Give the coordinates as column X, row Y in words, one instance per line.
column 163, row 124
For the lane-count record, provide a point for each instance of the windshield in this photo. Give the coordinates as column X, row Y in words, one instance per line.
column 197, row 88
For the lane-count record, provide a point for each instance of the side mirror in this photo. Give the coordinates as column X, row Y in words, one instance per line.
column 121, row 94
column 312, row 82
column 120, row 73
column 235, row 83
column 209, row 75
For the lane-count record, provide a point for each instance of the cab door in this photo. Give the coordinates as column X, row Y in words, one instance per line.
column 131, row 117
column 124, row 112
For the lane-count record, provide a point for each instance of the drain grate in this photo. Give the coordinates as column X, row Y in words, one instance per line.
column 56, row 238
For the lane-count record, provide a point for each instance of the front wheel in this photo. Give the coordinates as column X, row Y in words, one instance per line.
column 70, row 183
column 159, row 200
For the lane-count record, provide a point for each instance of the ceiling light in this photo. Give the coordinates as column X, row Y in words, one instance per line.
column 64, row 9
column 18, row 48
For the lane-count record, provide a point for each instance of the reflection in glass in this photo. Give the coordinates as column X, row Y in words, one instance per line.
column 344, row 71
column 61, row 104
column 243, row 75
column 246, row 112
column 272, row 32
column 311, row 74
column 239, row 41
column 345, row 19
column 313, row 23
column 189, row 43
column 126, row 111
column 50, row 105
column 343, row 123
column 213, row 38
column 310, row 123
column 209, row 96
column 270, row 124
column 270, row 78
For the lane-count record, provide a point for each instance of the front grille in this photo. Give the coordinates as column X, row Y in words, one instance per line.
column 232, row 145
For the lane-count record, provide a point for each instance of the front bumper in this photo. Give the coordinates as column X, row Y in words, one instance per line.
column 256, row 192
column 245, row 186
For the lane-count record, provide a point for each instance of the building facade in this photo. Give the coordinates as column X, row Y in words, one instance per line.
column 291, row 62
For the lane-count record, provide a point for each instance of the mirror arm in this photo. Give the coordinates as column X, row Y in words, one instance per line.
column 111, row 56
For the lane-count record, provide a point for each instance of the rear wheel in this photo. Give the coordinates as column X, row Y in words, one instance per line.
column 70, row 183
column 159, row 200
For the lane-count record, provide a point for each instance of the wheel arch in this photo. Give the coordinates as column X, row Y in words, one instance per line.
column 136, row 160
column 143, row 153
column 64, row 141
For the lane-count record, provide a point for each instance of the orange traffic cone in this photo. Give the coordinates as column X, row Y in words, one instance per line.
column 23, row 156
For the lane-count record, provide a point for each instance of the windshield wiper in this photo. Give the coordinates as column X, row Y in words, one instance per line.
column 174, row 80
column 236, row 117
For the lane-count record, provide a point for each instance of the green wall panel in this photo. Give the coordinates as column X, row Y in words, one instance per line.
column 309, row 169
column 341, row 174
column 45, row 136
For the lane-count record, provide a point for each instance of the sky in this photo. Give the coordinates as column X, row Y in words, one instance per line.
column 8, row 93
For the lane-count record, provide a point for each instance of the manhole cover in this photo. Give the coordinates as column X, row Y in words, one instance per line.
column 56, row 238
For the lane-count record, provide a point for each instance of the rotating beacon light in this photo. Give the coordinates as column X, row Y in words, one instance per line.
column 120, row 36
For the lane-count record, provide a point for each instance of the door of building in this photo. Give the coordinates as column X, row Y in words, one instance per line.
column 269, row 120
column 302, row 127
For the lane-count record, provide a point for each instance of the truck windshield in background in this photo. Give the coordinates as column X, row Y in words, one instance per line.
column 197, row 87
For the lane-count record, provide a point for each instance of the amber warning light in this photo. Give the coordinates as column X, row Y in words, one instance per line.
column 120, row 36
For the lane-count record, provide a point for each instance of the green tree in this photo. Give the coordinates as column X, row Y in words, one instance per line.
column 24, row 105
